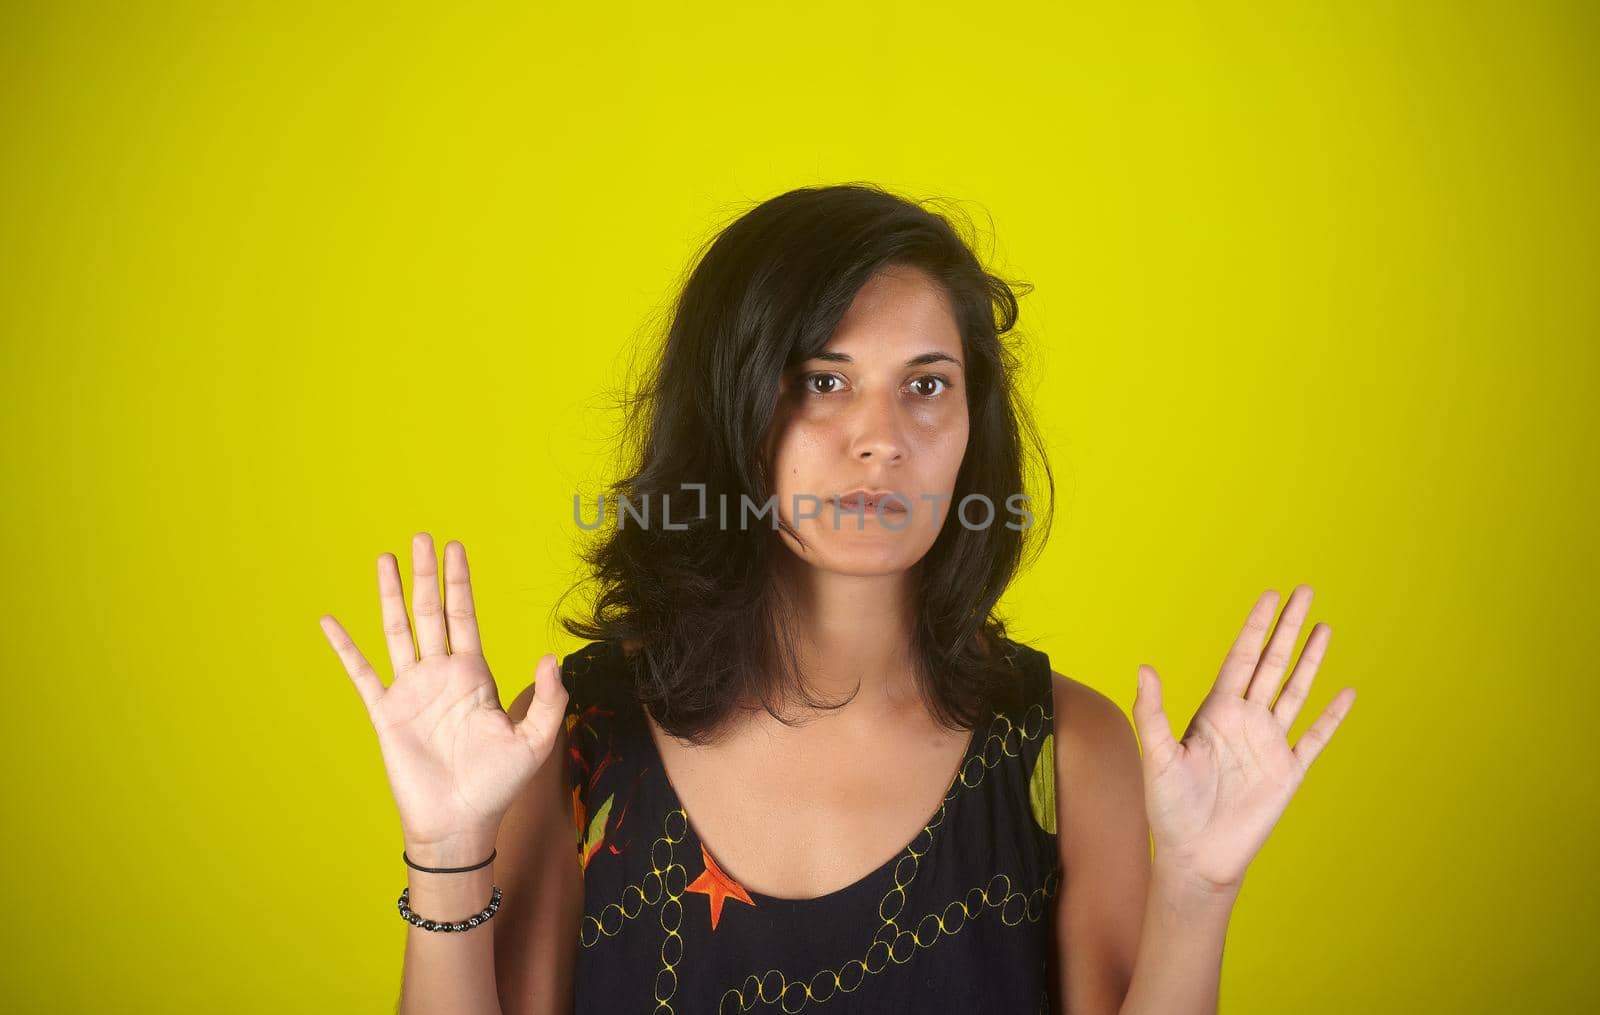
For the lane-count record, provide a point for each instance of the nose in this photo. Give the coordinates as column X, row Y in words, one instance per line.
column 878, row 436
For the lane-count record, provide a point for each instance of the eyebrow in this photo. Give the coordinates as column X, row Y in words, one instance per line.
column 920, row 359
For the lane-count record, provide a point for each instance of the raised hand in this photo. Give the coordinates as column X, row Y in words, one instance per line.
column 1213, row 797
column 455, row 760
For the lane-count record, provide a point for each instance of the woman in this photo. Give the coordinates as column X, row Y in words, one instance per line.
column 804, row 766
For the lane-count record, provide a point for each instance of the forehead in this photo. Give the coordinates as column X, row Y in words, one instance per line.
column 896, row 309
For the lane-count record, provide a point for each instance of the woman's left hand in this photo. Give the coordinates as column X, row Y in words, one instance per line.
column 1213, row 797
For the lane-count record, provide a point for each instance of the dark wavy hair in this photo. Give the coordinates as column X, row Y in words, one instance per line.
column 700, row 599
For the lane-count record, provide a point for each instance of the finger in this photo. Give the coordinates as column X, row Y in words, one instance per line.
column 547, row 710
column 1274, row 663
column 396, row 621
column 425, row 598
column 1314, row 739
column 1294, row 694
column 1150, row 720
column 368, row 684
column 1241, row 661
column 461, row 617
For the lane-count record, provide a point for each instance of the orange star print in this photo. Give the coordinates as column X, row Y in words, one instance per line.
column 717, row 886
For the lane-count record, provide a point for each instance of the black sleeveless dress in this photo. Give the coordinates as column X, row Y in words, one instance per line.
column 961, row 920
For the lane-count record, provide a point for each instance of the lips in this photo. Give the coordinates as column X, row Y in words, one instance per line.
column 884, row 501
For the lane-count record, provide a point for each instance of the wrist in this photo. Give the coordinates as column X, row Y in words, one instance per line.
column 462, row 850
column 1184, row 892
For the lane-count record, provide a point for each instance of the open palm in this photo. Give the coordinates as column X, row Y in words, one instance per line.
column 455, row 760
column 1213, row 797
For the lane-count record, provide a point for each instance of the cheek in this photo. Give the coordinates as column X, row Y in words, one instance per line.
column 795, row 453
column 943, row 442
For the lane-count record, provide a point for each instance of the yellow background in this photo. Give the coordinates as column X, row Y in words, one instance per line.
column 281, row 285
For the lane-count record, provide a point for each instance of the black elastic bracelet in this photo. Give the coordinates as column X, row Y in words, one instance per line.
column 447, row 870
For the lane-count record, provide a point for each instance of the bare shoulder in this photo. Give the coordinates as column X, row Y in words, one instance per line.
column 1099, row 779
column 1087, row 721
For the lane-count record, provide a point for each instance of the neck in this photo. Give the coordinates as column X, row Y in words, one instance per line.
column 856, row 630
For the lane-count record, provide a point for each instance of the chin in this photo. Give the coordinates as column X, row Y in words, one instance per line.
column 861, row 568
column 861, row 555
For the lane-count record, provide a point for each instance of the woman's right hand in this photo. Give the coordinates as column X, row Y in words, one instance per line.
column 455, row 759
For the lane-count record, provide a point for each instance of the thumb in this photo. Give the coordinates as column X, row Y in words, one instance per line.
column 1150, row 720
column 547, row 708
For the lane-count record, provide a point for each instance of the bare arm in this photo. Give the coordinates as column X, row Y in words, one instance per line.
column 1105, row 849
column 1180, row 949
column 536, row 944
column 1132, row 937
column 451, row 972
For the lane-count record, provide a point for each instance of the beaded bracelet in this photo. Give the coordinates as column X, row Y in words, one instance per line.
column 459, row 925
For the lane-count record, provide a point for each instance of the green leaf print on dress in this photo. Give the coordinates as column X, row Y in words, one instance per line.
column 1042, row 785
column 597, row 830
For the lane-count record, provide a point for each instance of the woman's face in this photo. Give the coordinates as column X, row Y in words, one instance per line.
column 883, row 407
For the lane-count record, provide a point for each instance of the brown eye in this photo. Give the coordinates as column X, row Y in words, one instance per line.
column 930, row 379
column 828, row 378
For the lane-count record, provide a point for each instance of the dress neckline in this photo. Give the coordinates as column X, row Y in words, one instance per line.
column 675, row 802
